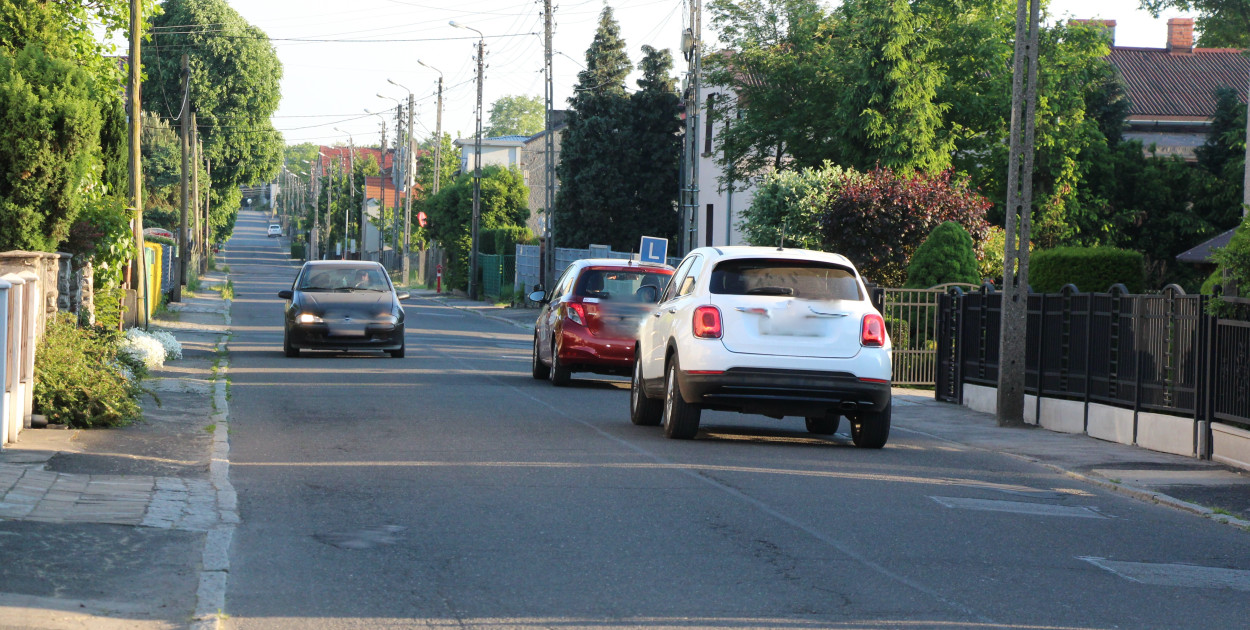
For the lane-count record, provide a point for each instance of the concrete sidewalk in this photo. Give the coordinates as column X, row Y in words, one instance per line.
column 110, row 526
column 1202, row 487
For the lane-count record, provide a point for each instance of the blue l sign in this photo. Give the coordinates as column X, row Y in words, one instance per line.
column 653, row 250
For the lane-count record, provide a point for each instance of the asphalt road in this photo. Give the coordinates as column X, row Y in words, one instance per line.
column 449, row 488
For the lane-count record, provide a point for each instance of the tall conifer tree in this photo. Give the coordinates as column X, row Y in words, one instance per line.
column 594, row 189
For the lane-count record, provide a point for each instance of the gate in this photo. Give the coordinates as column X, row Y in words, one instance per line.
column 912, row 319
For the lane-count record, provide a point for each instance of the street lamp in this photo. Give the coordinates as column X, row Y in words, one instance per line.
column 438, row 128
column 408, row 158
column 477, row 161
column 351, row 179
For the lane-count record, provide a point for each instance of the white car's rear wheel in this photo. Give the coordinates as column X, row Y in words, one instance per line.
column 681, row 419
column 871, row 429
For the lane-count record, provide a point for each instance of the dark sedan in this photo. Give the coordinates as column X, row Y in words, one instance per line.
column 343, row 305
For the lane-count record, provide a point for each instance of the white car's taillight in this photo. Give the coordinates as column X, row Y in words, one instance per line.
column 707, row 322
column 872, row 331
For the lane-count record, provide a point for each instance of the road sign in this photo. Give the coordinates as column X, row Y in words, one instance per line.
column 653, row 250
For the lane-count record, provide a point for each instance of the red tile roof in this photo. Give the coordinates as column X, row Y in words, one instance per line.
column 382, row 188
column 1179, row 85
column 336, row 153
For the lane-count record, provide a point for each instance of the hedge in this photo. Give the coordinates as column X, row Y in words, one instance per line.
column 1091, row 269
column 947, row 255
column 503, row 241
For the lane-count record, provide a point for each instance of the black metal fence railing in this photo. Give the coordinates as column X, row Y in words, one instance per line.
column 1159, row 353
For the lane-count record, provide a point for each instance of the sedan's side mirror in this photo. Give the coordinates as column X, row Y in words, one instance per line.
column 402, row 296
column 648, row 293
column 538, row 296
column 286, row 294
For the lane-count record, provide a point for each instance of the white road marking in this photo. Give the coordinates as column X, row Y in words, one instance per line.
column 1188, row 575
column 1017, row 507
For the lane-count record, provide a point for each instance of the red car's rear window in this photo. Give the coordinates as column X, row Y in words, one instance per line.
column 619, row 284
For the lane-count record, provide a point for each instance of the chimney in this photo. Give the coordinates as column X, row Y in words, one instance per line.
column 1181, row 35
column 1107, row 26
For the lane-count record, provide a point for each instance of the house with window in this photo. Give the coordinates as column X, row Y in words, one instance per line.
column 1172, row 89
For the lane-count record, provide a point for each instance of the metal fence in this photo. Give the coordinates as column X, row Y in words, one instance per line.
column 1160, row 353
column 911, row 317
column 497, row 274
column 529, row 261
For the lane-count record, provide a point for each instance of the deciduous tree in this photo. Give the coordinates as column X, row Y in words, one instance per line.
column 516, row 116
column 235, row 76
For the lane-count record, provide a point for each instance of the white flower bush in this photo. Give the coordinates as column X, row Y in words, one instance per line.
column 153, row 349
column 173, row 349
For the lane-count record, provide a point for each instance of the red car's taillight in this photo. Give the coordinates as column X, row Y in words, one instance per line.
column 707, row 322
column 873, row 331
column 576, row 312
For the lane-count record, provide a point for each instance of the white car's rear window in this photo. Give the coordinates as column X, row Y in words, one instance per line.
column 805, row 279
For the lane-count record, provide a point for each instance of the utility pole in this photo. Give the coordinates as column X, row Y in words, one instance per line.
column 208, row 203
column 477, row 160
column 197, row 251
column 438, row 136
column 547, row 275
column 314, row 242
column 135, row 101
column 1011, row 347
column 408, row 175
column 692, row 43
column 1245, row 191
column 184, row 232
column 477, row 172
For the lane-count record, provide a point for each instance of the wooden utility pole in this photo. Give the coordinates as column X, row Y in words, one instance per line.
column 135, row 103
column 184, row 231
column 197, row 244
column 1011, row 347
column 208, row 191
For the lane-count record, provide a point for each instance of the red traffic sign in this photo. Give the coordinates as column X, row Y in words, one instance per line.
column 421, row 219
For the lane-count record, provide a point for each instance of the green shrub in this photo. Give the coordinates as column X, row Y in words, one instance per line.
column 947, row 255
column 503, row 240
column 297, row 251
column 80, row 379
column 1091, row 269
column 109, row 306
column 990, row 253
column 1235, row 260
column 899, row 330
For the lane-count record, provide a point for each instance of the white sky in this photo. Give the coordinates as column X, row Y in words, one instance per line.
column 329, row 84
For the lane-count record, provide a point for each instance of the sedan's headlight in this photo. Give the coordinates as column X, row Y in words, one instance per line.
column 388, row 318
column 308, row 318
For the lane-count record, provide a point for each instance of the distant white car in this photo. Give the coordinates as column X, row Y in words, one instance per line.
column 275, row 230
column 778, row 332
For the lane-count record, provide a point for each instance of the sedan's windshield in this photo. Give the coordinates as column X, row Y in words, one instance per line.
column 343, row 279
column 804, row 279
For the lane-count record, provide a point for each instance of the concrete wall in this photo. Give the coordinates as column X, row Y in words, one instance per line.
column 1154, row 431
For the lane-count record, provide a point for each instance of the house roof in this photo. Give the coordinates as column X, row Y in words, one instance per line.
column 337, row 153
column 1202, row 252
column 382, row 189
column 1178, row 85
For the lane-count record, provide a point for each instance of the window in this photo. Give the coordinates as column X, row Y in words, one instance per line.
column 707, row 125
column 708, row 224
column 671, row 289
column 687, row 283
column 805, row 279
column 615, row 285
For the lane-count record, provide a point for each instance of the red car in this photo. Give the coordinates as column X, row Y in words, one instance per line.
column 589, row 320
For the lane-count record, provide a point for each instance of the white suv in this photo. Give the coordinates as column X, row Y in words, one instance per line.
column 779, row 332
column 275, row 230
